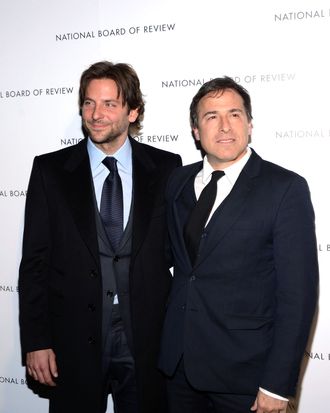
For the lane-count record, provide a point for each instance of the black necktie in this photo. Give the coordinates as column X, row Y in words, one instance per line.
column 111, row 208
column 199, row 215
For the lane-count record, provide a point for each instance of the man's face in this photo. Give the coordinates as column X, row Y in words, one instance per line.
column 223, row 128
column 104, row 116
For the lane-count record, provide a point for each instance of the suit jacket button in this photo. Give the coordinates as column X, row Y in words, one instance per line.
column 109, row 293
column 91, row 340
column 193, row 278
column 116, row 258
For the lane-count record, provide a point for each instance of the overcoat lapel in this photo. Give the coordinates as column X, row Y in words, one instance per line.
column 144, row 181
column 80, row 196
column 176, row 230
column 79, row 192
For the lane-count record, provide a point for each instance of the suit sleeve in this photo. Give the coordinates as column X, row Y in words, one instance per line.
column 33, row 280
column 295, row 257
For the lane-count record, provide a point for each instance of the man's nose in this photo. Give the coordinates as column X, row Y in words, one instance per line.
column 97, row 112
column 224, row 125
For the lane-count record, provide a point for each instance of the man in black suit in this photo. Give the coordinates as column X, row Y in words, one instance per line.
column 245, row 277
column 91, row 306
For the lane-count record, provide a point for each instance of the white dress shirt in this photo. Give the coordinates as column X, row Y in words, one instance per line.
column 225, row 184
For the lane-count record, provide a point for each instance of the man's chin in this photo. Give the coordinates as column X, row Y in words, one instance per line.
column 99, row 140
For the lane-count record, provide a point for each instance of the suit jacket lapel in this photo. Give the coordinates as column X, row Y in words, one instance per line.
column 231, row 208
column 80, row 196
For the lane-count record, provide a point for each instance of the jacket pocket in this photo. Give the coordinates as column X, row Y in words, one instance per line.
column 245, row 322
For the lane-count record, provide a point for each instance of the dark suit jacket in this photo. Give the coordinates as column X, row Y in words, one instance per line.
column 241, row 315
column 60, row 281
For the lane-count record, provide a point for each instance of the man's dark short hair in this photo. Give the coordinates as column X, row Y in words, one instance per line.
column 128, row 86
column 213, row 87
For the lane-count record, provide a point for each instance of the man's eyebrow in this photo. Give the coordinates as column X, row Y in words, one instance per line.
column 104, row 100
column 210, row 112
column 214, row 112
column 236, row 110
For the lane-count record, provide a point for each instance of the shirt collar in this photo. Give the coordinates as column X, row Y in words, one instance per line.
column 123, row 156
column 231, row 172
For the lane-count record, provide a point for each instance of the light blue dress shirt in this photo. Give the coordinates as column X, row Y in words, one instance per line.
column 100, row 172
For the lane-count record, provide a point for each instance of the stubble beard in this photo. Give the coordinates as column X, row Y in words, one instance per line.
column 109, row 137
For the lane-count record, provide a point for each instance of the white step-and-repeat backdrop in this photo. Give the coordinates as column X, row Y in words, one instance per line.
column 278, row 50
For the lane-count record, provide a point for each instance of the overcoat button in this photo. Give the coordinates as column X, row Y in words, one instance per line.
column 93, row 274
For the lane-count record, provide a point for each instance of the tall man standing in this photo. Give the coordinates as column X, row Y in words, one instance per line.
column 94, row 277
column 245, row 268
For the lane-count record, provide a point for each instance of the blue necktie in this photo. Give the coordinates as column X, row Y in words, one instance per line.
column 196, row 222
column 111, row 209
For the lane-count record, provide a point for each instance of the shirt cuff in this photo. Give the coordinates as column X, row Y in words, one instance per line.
column 276, row 396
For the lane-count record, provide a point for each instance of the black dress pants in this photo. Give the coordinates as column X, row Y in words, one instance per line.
column 184, row 398
column 120, row 371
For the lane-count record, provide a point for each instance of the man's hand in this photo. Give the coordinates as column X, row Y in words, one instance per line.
column 41, row 365
column 268, row 404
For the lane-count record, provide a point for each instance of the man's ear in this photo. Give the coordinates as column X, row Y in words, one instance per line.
column 195, row 134
column 133, row 114
column 250, row 131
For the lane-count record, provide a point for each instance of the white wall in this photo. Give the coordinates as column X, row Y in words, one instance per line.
column 278, row 50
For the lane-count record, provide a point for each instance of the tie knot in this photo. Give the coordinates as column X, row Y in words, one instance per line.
column 111, row 163
column 216, row 175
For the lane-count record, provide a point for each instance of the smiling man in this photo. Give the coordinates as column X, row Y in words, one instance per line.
column 245, row 268
column 94, row 275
